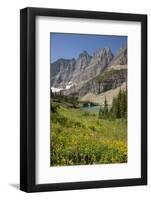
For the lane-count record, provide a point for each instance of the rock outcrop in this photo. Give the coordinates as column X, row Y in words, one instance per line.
column 91, row 76
column 66, row 73
column 120, row 58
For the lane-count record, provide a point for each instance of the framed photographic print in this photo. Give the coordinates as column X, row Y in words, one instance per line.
column 83, row 99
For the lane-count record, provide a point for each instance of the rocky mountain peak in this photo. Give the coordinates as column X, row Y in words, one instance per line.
column 83, row 59
column 120, row 57
column 83, row 54
column 72, row 74
column 102, row 52
column 102, row 56
column 61, row 65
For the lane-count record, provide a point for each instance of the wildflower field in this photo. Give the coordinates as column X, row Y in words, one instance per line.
column 79, row 137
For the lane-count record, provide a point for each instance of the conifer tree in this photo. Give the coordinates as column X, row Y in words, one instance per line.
column 105, row 108
column 118, row 108
column 119, row 105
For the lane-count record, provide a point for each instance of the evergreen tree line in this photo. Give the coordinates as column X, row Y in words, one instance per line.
column 118, row 108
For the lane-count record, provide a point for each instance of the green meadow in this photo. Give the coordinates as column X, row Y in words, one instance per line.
column 80, row 137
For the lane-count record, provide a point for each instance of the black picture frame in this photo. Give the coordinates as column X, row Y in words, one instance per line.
column 28, row 98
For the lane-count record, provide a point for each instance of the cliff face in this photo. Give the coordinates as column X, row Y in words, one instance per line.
column 109, row 79
column 66, row 73
column 90, row 74
column 120, row 58
column 102, row 56
column 61, row 72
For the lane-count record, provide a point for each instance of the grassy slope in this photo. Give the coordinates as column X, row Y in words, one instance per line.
column 78, row 137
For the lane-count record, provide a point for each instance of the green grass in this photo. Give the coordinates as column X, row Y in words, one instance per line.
column 79, row 138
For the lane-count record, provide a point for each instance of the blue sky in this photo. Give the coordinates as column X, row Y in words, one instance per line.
column 66, row 45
